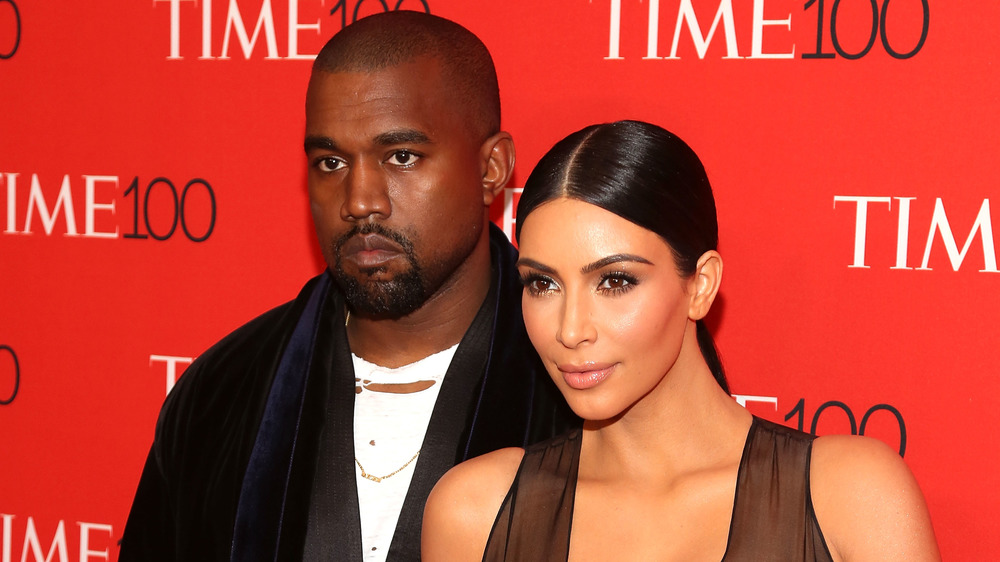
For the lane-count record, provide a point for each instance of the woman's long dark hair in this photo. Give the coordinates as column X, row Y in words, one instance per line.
column 646, row 175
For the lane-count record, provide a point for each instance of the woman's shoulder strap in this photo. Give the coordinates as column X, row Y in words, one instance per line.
column 534, row 521
column 773, row 517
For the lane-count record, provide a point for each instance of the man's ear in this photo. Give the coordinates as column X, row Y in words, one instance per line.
column 497, row 156
column 704, row 284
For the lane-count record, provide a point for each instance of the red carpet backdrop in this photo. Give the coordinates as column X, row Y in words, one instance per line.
column 152, row 198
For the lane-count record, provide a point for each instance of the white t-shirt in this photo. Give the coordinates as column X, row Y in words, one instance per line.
column 391, row 410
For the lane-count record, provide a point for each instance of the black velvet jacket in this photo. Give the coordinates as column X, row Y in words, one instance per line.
column 496, row 394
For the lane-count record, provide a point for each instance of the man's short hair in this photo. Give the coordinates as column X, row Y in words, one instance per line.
column 392, row 38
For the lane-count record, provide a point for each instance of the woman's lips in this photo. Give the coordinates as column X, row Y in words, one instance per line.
column 588, row 375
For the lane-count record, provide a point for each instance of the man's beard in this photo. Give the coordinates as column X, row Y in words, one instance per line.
column 394, row 298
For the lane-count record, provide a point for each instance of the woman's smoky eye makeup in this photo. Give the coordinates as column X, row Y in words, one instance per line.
column 617, row 282
column 536, row 283
column 611, row 283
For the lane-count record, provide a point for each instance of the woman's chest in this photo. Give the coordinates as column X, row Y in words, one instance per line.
column 688, row 521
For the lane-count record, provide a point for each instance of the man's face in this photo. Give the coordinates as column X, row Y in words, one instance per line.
column 395, row 183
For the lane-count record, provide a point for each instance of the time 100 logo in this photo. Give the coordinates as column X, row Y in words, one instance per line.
column 800, row 418
column 179, row 209
column 878, row 24
column 843, row 21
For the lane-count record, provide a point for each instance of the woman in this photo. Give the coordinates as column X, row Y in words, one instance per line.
column 617, row 233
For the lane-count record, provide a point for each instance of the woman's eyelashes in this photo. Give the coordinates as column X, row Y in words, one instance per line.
column 610, row 283
column 537, row 284
column 617, row 282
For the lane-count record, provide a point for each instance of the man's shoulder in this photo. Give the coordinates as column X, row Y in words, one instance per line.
column 252, row 338
column 243, row 346
column 236, row 371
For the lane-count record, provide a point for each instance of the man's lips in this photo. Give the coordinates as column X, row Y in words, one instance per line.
column 370, row 250
column 585, row 375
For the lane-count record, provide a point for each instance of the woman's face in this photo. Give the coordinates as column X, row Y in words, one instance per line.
column 603, row 304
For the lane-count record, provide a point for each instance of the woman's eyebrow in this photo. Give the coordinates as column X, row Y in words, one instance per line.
column 590, row 267
column 615, row 258
column 527, row 262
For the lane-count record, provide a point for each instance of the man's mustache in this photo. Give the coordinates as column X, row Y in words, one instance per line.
column 378, row 229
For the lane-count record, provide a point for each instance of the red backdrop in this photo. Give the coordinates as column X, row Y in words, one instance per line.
column 152, row 198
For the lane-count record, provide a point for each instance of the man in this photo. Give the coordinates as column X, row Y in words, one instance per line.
column 317, row 430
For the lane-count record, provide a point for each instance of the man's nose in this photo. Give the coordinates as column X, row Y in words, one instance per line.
column 366, row 193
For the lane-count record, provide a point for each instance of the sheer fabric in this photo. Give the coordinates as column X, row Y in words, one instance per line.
column 772, row 516
column 535, row 518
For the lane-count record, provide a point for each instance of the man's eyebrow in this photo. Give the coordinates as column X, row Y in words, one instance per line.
column 401, row 136
column 315, row 142
column 527, row 262
column 615, row 258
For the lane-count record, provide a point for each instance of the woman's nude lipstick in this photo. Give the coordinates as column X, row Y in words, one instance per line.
column 586, row 375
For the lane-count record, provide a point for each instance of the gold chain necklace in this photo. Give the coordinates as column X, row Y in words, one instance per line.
column 374, row 478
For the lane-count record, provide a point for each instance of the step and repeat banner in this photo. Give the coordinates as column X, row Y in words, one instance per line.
column 152, row 199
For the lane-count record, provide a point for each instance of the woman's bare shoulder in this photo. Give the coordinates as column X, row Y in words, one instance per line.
column 868, row 503
column 461, row 509
column 478, row 480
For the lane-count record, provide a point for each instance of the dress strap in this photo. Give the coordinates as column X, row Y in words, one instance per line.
column 535, row 518
column 773, row 517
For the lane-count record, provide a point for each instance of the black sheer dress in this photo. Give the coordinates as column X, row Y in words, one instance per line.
column 772, row 517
